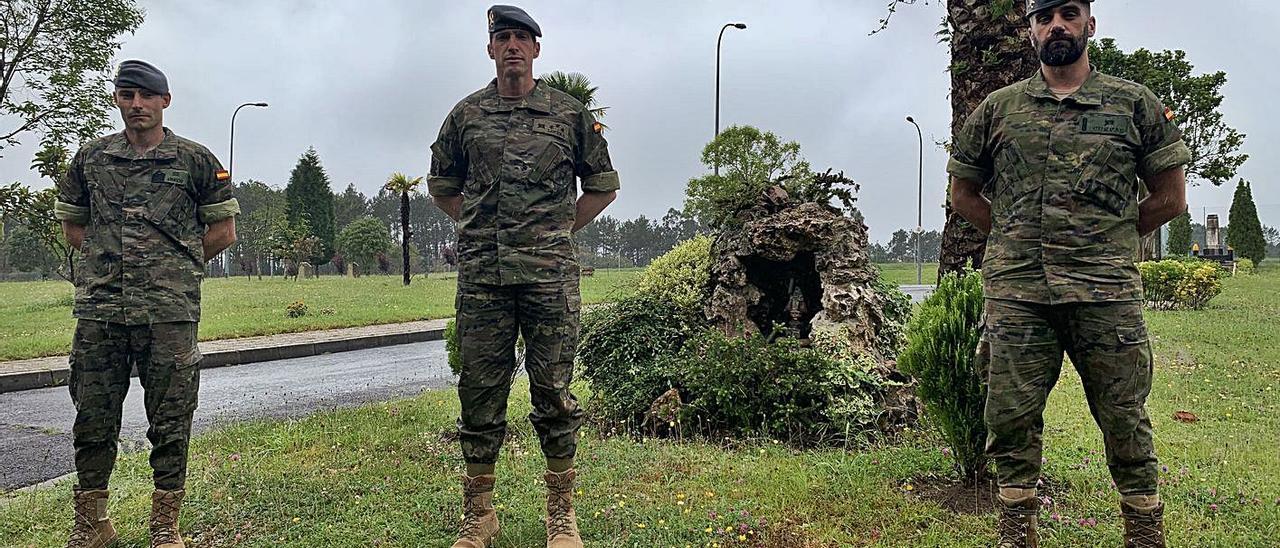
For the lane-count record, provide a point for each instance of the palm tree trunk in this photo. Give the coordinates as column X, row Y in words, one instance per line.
column 404, row 233
column 989, row 50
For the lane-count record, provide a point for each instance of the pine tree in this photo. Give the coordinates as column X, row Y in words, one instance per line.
column 309, row 197
column 1244, row 231
column 1179, row 243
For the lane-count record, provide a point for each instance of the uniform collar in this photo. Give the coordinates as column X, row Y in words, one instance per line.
column 1088, row 94
column 538, row 100
column 166, row 150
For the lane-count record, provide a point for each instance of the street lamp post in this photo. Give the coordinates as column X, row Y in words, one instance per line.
column 720, row 39
column 919, row 204
column 231, row 167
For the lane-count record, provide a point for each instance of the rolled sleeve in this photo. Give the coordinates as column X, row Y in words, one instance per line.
column 1164, row 159
column 444, row 186
column 221, row 211
column 72, row 204
column 71, row 213
column 969, row 158
column 967, row 172
column 601, row 182
column 1162, row 145
column 591, row 161
column 448, row 158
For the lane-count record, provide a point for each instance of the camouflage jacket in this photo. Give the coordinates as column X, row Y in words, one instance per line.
column 144, row 217
column 1062, row 176
column 514, row 162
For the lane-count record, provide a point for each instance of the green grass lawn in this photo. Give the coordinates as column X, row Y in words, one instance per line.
column 35, row 317
column 386, row 475
column 905, row 273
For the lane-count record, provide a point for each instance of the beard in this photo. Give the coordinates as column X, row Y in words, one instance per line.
column 1062, row 50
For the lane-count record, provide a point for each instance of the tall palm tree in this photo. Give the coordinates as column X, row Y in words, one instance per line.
column 404, row 185
column 577, row 85
column 989, row 50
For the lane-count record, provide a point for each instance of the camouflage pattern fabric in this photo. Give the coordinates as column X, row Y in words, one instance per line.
column 167, row 360
column 514, row 162
column 144, row 217
column 489, row 318
column 1063, row 180
column 1108, row 345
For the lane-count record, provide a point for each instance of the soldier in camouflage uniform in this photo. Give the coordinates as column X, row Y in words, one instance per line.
column 145, row 207
column 504, row 167
column 1050, row 168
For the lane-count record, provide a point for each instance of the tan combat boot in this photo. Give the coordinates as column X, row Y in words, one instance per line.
column 562, row 523
column 1143, row 521
column 165, row 507
column 92, row 528
column 479, row 519
column 1018, row 511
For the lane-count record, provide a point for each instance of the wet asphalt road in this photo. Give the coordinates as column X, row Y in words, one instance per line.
column 35, row 425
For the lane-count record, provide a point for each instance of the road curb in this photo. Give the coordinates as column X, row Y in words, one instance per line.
column 58, row 373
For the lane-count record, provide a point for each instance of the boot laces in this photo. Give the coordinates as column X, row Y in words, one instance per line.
column 164, row 523
column 472, row 510
column 1015, row 525
column 559, row 501
column 83, row 531
column 1143, row 532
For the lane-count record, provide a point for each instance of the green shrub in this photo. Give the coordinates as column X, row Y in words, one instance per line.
column 451, row 347
column 680, row 275
column 297, row 309
column 779, row 389
column 1174, row 284
column 942, row 339
column 1201, row 283
column 1245, row 267
column 897, row 311
column 618, row 351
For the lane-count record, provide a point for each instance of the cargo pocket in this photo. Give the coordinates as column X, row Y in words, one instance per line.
column 181, row 397
column 1134, row 366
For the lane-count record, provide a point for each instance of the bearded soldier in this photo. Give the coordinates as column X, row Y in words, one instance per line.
column 1049, row 167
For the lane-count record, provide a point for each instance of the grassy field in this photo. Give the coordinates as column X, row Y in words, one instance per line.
column 35, row 317
column 386, row 475
column 905, row 273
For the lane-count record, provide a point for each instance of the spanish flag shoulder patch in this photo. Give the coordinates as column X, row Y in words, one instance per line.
column 1168, row 114
column 222, row 175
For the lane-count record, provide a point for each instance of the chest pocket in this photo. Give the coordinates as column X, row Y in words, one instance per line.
column 1013, row 175
column 170, row 193
column 549, row 167
column 1108, row 180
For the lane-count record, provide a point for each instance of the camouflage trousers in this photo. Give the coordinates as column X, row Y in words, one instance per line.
column 167, row 360
column 489, row 318
column 1108, row 345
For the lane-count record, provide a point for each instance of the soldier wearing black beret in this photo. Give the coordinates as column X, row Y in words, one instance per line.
column 508, row 166
column 145, row 207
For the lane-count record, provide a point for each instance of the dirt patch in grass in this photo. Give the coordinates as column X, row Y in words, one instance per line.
column 968, row 498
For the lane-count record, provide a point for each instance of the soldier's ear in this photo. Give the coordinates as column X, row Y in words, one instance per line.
column 489, row 47
column 537, row 49
column 1093, row 26
column 167, row 99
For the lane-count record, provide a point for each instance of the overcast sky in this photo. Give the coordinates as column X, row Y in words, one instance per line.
column 368, row 83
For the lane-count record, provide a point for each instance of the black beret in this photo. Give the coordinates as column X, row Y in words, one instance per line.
column 1034, row 6
column 510, row 17
column 141, row 74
